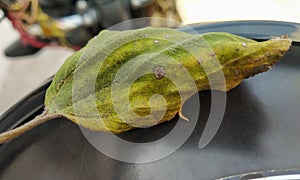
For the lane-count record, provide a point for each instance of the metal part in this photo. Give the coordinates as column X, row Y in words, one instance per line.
column 283, row 177
column 136, row 4
column 71, row 22
column 290, row 174
column 81, row 5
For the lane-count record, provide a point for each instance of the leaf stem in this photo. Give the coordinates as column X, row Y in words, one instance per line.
column 38, row 120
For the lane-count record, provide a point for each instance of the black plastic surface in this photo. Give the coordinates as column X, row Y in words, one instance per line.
column 260, row 131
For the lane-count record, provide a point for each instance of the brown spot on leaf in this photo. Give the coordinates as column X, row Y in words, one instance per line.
column 199, row 60
column 159, row 72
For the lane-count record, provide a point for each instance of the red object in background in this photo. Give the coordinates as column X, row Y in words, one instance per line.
column 25, row 37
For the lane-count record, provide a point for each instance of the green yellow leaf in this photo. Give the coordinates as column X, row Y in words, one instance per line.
column 127, row 69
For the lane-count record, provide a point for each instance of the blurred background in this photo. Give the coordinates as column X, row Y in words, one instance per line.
column 20, row 75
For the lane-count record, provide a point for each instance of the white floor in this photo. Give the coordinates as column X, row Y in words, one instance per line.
column 20, row 76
